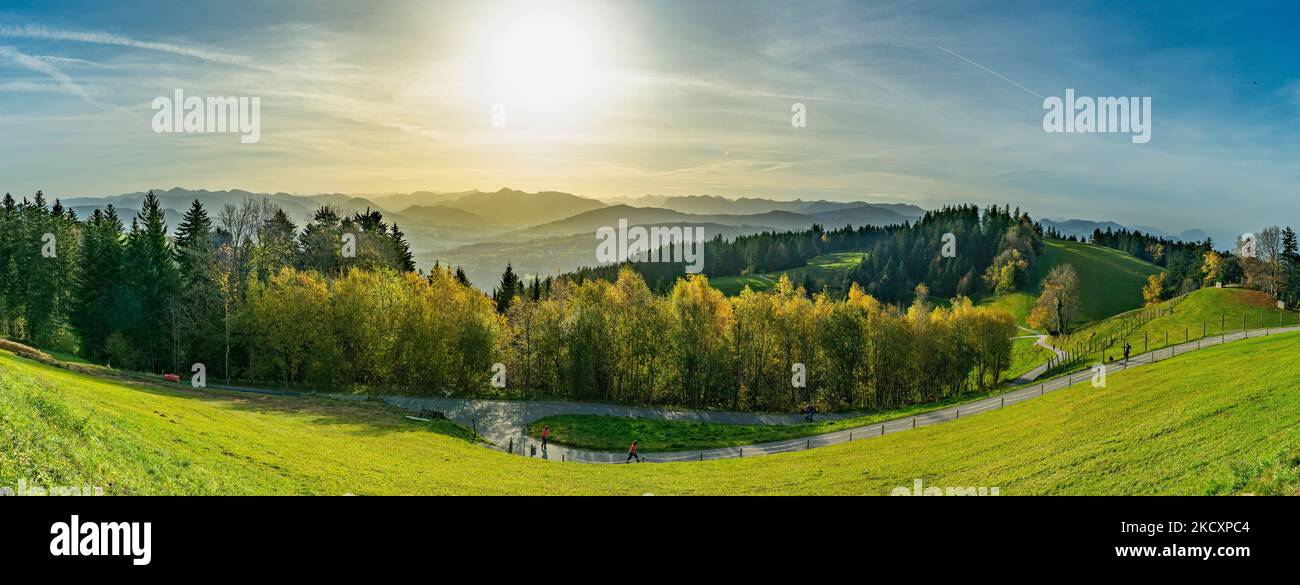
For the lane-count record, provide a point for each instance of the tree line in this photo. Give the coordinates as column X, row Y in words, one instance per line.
column 1271, row 263
column 338, row 305
column 995, row 250
column 138, row 298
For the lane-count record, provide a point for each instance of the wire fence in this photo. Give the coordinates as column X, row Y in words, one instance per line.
column 928, row 418
column 1108, row 345
column 838, row 437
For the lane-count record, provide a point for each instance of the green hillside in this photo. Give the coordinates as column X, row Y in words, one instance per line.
column 1176, row 427
column 1203, row 313
column 1110, row 281
column 827, row 268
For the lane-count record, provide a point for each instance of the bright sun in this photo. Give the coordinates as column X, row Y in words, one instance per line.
column 545, row 56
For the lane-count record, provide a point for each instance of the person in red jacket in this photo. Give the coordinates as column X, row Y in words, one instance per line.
column 631, row 453
column 546, row 436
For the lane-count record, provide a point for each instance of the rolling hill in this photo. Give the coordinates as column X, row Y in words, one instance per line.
column 1203, row 313
column 829, row 268
column 511, row 207
column 1110, row 281
column 1174, row 427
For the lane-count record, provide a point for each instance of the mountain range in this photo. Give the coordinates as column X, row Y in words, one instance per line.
column 552, row 232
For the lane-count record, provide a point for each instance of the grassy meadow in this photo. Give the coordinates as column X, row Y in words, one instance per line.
column 1188, row 425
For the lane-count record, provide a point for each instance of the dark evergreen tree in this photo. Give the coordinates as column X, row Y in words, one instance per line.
column 405, row 262
column 155, row 282
column 196, row 316
column 98, row 283
column 507, row 289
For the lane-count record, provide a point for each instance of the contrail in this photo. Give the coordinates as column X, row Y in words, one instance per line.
column 40, row 66
column 29, row 31
column 999, row 75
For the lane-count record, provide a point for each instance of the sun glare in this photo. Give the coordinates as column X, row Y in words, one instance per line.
column 545, row 56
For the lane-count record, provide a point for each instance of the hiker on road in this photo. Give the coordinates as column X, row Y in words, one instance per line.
column 546, row 436
column 631, row 453
column 1127, row 350
column 811, row 411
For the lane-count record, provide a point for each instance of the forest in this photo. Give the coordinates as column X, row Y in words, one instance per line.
column 995, row 253
column 258, row 300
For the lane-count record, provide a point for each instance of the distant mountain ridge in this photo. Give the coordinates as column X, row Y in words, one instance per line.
column 1083, row 228
column 482, row 230
column 777, row 220
column 714, row 205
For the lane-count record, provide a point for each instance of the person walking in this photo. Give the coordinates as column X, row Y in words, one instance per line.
column 1127, row 350
column 811, row 411
column 546, row 436
column 631, row 453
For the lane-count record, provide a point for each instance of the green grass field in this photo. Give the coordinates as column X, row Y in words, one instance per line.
column 1110, row 281
column 1026, row 355
column 1199, row 423
column 827, row 268
column 1203, row 313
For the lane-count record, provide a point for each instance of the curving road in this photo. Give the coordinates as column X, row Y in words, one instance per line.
column 503, row 421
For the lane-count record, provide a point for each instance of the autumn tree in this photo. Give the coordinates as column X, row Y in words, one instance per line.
column 1154, row 290
column 1059, row 303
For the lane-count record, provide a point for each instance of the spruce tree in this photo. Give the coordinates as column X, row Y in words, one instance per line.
column 196, row 318
column 507, row 289
column 97, row 289
column 405, row 262
column 155, row 282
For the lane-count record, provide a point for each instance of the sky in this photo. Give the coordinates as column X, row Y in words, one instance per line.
column 930, row 103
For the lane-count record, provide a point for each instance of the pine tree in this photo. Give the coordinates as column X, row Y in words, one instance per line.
column 1291, row 265
column 155, row 283
column 405, row 261
column 507, row 290
column 196, row 317
column 193, row 241
column 96, row 285
column 8, row 267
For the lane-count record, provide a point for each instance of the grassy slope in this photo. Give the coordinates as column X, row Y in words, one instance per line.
column 1206, row 312
column 615, row 433
column 828, row 268
column 1026, row 355
column 1150, row 431
column 1110, row 281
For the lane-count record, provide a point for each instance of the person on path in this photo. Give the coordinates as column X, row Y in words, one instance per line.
column 1127, row 350
column 546, row 436
column 631, row 453
column 811, row 411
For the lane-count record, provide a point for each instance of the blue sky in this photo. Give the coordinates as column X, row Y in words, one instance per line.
column 671, row 97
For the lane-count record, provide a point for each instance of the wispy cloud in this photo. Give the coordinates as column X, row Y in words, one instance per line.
column 33, row 31
column 39, row 65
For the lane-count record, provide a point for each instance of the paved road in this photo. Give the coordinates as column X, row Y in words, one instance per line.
column 1037, row 372
column 500, row 421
